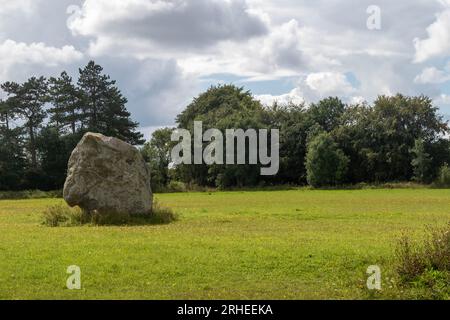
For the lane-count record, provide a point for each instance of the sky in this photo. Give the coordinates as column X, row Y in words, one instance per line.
column 163, row 53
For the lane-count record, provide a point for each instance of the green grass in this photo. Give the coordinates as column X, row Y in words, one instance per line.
column 296, row 244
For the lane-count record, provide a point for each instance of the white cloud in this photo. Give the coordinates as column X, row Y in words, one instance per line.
column 287, row 50
column 432, row 75
column 277, row 54
column 438, row 41
column 18, row 55
column 294, row 97
column 329, row 83
column 27, row 6
column 357, row 100
column 148, row 131
column 12, row 52
column 443, row 99
column 313, row 87
column 205, row 37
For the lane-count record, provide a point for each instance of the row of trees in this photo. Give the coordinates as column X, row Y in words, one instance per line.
column 42, row 120
column 398, row 138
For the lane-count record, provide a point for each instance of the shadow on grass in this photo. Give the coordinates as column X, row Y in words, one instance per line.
column 64, row 216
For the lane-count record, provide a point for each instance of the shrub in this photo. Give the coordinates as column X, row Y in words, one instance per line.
column 176, row 186
column 418, row 262
column 411, row 262
column 437, row 249
column 326, row 164
column 443, row 179
column 62, row 215
column 436, row 282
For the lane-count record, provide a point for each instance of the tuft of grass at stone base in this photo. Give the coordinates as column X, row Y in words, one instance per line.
column 61, row 215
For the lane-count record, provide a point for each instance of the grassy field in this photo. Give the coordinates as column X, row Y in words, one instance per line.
column 297, row 244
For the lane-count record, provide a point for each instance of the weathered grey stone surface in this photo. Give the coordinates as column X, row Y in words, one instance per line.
column 108, row 175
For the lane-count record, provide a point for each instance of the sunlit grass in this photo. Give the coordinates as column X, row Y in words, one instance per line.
column 293, row 244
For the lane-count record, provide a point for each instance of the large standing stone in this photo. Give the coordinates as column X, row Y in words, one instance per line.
column 108, row 175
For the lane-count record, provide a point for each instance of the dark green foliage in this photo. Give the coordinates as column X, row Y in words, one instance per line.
column 42, row 121
column 294, row 125
column 176, row 186
column 7, row 114
column 327, row 113
column 222, row 107
column 12, row 159
column 421, row 162
column 30, row 194
column 156, row 153
column 397, row 122
column 27, row 102
column 55, row 151
column 399, row 138
column 104, row 106
column 443, row 178
column 94, row 86
column 66, row 99
column 326, row 164
column 380, row 140
column 440, row 155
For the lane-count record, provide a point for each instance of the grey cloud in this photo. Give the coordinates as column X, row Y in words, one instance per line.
column 156, row 89
column 40, row 21
column 402, row 20
column 174, row 23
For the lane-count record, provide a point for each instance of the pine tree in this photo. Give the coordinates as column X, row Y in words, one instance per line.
column 6, row 114
column 116, row 120
column 12, row 158
column 94, row 86
column 28, row 100
column 66, row 100
column 104, row 105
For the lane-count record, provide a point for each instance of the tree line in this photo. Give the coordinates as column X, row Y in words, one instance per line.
column 328, row 143
column 42, row 120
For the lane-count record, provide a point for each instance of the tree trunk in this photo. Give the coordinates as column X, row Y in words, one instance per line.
column 94, row 116
column 73, row 122
column 7, row 121
column 32, row 148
